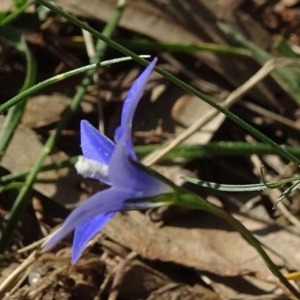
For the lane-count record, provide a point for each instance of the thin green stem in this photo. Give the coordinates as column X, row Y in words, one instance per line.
column 237, row 188
column 189, row 200
column 19, row 10
column 149, row 45
column 24, row 195
column 67, row 163
column 12, row 185
column 215, row 149
column 15, row 113
column 13, row 101
column 175, row 80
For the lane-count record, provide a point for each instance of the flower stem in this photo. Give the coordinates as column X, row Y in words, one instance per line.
column 189, row 200
column 16, row 12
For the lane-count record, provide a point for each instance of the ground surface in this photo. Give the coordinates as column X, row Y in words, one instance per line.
column 165, row 253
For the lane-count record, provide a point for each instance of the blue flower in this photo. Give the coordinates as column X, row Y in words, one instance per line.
column 132, row 185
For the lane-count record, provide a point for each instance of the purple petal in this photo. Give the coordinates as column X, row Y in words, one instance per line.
column 86, row 231
column 95, row 145
column 124, row 173
column 120, row 167
column 132, row 99
column 107, row 201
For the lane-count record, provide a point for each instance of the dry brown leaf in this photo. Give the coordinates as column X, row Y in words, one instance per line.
column 43, row 110
column 22, row 153
column 199, row 241
column 280, row 240
column 204, row 242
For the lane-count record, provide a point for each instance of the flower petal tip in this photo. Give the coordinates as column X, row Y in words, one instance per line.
column 94, row 144
column 85, row 232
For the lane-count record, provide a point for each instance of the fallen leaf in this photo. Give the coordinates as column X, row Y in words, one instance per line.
column 200, row 241
column 43, row 110
column 21, row 155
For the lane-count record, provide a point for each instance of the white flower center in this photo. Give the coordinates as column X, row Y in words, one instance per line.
column 91, row 168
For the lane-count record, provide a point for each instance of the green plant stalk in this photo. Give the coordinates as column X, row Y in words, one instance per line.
column 24, row 194
column 11, row 186
column 13, row 101
column 146, row 44
column 15, row 13
column 15, row 113
column 189, row 200
column 241, row 187
column 67, row 163
column 175, row 80
column 216, row 149
column 287, row 192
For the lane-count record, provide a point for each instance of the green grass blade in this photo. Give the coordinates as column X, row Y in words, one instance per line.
column 24, row 194
column 226, row 187
column 15, row 114
column 58, row 78
column 11, row 186
column 182, row 152
column 288, row 191
column 216, row 149
column 243, row 187
column 67, row 163
column 148, row 45
column 19, row 9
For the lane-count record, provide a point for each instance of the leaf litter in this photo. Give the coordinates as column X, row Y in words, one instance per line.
column 180, row 254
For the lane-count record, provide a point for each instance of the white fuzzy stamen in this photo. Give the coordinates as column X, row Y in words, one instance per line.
column 91, row 168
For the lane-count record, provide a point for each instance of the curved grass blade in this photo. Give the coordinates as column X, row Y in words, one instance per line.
column 19, row 8
column 226, row 187
column 14, row 116
column 58, row 78
column 287, row 192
